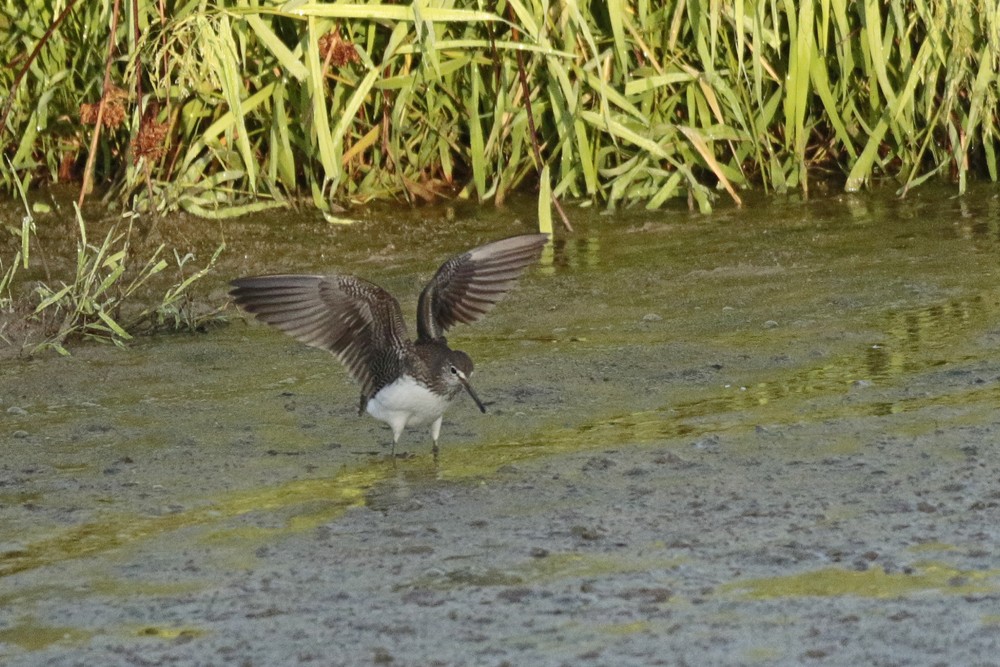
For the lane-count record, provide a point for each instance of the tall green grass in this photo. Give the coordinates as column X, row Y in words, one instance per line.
column 225, row 108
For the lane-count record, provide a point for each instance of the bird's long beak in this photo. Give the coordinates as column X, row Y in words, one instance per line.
column 472, row 393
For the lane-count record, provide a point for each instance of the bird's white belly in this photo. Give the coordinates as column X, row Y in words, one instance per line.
column 406, row 403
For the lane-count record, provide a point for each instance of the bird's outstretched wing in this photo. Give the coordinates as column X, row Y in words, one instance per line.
column 356, row 320
column 467, row 286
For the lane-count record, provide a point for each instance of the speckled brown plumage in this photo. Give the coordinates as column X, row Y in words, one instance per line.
column 363, row 326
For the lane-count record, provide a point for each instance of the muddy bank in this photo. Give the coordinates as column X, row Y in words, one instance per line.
column 726, row 441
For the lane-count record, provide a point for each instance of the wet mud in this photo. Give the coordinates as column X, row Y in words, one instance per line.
column 767, row 436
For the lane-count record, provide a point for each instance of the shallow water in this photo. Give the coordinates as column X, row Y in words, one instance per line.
column 776, row 338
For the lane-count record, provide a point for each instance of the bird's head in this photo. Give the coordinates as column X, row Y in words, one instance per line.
column 458, row 371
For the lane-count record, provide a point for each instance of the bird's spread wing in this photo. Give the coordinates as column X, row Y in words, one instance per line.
column 467, row 286
column 356, row 320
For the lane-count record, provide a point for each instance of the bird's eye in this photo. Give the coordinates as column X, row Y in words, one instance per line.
column 454, row 371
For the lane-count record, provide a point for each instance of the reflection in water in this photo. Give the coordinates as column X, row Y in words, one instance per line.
column 911, row 335
column 914, row 340
column 570, row 253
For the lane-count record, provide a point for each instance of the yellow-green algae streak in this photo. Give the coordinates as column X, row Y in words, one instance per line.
column 553, row 567
column 871, row 583
column 32, row 635
column 335, row 494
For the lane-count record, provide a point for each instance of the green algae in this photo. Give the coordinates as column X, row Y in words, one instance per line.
column 580, row 565
column 933, row 546
column 162, row 632
column 31, row 635
column 872, row 583
column 116, row 530
column 558, row 566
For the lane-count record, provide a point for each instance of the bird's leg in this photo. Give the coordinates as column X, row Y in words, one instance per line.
column 397, row 430
column 435, row 432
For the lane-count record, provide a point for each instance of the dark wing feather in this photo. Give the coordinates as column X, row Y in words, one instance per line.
column 467, row 286
column 356, row 320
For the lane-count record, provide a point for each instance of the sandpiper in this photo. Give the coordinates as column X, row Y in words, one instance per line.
column 403, row 382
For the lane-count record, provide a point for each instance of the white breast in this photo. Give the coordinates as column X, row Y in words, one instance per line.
column 406, row 403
